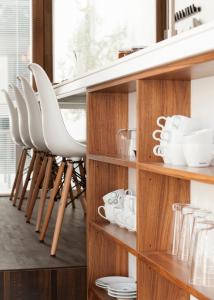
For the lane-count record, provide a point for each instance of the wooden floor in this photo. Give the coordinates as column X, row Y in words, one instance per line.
column 27, row 271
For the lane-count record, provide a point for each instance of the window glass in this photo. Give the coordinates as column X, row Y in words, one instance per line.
column 15, row 55
column 89, row 33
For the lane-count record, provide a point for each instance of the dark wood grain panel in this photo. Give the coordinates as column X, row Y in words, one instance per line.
column 155, row 287
column 157, row 194
column 106, row 114
column 105, row 258
column 52, row 284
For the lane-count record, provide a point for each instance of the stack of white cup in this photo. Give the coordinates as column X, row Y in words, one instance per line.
column 120, row 208
column 183, row 142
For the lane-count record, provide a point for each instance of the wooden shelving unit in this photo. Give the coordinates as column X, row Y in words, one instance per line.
column 161, row 91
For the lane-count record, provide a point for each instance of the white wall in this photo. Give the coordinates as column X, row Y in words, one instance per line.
column 205, row 15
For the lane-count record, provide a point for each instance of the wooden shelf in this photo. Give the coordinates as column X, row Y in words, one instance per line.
column 176, row 272
column 119, row 235
column 205, row 175
column 101, row 294
column 113, row 160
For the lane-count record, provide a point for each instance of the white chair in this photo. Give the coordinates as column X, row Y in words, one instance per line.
column 25, row 135
column 59, row 143
column 36, row 133
column 15, row 135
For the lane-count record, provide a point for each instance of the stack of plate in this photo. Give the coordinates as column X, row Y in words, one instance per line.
column 119, row 287
column 122, row 290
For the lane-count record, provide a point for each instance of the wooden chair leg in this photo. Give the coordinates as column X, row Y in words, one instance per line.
column 15, row 180
column 51, row 201
column 44, row 193
column 61, row 209
column 83, row 175
column 20, row 176
column 36, row 188
column 36, row 168
column 79, row 191
column 27, row 179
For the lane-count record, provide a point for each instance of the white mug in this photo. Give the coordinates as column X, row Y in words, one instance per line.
column 131, row 222
column 116, row 197
column 179, row 122
column 130, row 203
column 168, row 136
column 198, row 155
column 171, row 154
column 203, row 136
column 159, row 150
column 109, row 212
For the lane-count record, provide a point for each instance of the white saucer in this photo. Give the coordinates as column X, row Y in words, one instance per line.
column 106, row 281
column 123, row 287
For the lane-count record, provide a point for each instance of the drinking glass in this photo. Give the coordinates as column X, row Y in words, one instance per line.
column 202, row 265
column 126, row 143
column 186, row 232
column 198, row 216
column 176, row 227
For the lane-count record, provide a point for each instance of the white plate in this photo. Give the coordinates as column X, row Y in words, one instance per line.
column 123, row 287
column 123, row 297
column 122, row 294
column 101, row 286
column 119, row 295
column 114, row 279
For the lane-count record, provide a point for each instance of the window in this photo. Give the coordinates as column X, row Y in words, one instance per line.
column 89, row 33
column 15, row 55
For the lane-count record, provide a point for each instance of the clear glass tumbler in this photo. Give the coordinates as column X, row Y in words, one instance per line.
column 176, row 227
column 186, row 232
column 198, row 216
column 126, row 143
column 202, row 265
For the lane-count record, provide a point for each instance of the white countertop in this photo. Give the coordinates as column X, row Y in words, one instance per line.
column 193, row 42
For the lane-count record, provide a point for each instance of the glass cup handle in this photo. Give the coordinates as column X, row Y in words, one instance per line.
column 159, row 121
column 99, row 208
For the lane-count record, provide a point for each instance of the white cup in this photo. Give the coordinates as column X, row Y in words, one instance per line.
column 171, row 154
column 168, row 136
column 116, row 197
column 198, row 155
column 159, row 150
column 178, row 122
column 203, row 136
column 131, row 222
column 130, row 203
column 109, row 211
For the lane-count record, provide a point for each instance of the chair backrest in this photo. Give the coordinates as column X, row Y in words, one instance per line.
column 34, row 115
column 14, row 122
column 55, row 132
column 23, row 117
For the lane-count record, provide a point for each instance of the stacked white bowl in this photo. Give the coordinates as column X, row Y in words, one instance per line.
column 183, row 142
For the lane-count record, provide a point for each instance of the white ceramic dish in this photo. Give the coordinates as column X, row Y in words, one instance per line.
column 114, row 279
column 123, row 287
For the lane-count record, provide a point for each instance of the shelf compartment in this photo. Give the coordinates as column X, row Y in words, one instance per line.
column 100, row 293
column 176, row 272
column 205, row 175
column 113, row 160
column 121, row 236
